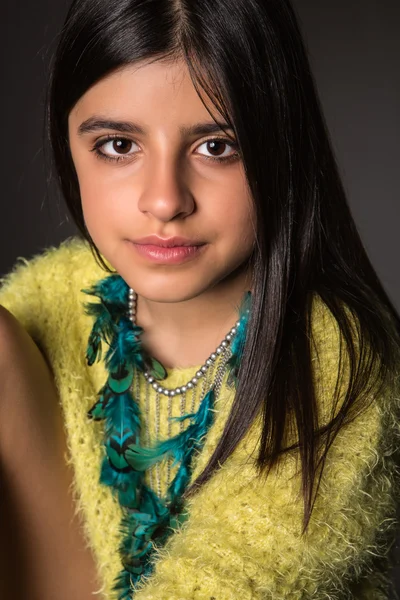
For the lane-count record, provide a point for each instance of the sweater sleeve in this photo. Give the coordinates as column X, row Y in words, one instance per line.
column 19, row 292
column 31, row 288
column 243, row 536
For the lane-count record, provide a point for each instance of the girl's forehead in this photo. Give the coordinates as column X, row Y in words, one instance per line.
column 151, row 91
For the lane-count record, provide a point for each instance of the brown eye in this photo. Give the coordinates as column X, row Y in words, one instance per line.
column 216, row 147
column 218, row 150
column 122, row 146
column 114, row 148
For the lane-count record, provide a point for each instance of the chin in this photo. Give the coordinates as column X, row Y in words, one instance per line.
column 169, row 294
column 172, row 287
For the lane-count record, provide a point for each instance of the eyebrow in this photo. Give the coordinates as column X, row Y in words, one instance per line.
column 99, row 123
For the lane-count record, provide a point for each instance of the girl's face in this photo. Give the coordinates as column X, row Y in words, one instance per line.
column 163, row 189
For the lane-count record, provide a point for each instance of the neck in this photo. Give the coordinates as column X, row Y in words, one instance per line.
column 184, row 334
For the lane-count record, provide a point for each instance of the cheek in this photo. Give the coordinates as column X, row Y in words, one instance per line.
column 234, row 224
column 237, row 217
column 94, row 205
column 99, row 185
column 104, row 200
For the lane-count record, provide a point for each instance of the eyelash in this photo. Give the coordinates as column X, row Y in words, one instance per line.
column 102, row 156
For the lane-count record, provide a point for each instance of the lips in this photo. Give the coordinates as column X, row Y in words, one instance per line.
column 154, row 240
column 175, row 250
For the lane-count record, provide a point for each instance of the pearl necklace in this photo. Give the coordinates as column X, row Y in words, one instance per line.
column 221, row 350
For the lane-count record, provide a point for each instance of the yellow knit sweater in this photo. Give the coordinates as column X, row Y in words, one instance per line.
column 242, row 539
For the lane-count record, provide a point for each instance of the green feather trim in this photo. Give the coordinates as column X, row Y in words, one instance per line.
column 148, row 520
column 155, row 368
column 239, row 340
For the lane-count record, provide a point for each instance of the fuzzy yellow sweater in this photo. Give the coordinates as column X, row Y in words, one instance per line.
column 242, row 539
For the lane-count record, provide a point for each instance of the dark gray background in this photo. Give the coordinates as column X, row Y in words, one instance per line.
column 29, row 216
column 355, row 50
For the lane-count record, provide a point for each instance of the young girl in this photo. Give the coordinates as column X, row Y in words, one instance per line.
column 212, row 366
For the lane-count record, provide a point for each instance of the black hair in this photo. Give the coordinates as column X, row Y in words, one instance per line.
column 249, row 58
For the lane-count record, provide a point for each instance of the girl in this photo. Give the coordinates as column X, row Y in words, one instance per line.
column 212, row 366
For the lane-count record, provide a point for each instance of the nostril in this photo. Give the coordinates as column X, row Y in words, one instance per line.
column 166, row 203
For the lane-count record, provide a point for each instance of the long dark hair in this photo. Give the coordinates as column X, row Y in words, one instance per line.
column 248, row 56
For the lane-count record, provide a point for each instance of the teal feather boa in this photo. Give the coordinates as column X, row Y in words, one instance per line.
column 148, row 520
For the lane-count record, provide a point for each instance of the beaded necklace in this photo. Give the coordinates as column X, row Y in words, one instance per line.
column 148, row 518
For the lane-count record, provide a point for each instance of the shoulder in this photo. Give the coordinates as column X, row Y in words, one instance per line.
column 324, row 328
column 43, row 296
column 47, row 274
column 48, row 281
column 329, row 356
column 71, row 255
column 337, row 378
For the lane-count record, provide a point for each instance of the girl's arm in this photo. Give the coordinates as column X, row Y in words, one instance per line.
column 42, row 551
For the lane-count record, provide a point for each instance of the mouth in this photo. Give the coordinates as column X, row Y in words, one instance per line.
column 175, row 250
column 172, row 242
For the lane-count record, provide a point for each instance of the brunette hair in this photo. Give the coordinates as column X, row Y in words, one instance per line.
column 249, row 57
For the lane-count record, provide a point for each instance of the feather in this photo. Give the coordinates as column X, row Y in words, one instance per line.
column 122, row 428
column 195, row 433
column 126, row 345
column 124, row 485
column 102, row 330
column 123, row 585
column 155, row 368
column 120, row 378
column 97, row 412
column 112, row 289
column 239, row 340
column 122, row 417
column 140, row 458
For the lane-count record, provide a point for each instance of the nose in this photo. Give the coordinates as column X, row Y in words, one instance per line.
column 166, row 194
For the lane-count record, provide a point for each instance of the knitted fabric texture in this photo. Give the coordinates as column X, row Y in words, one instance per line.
column 242, row 538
